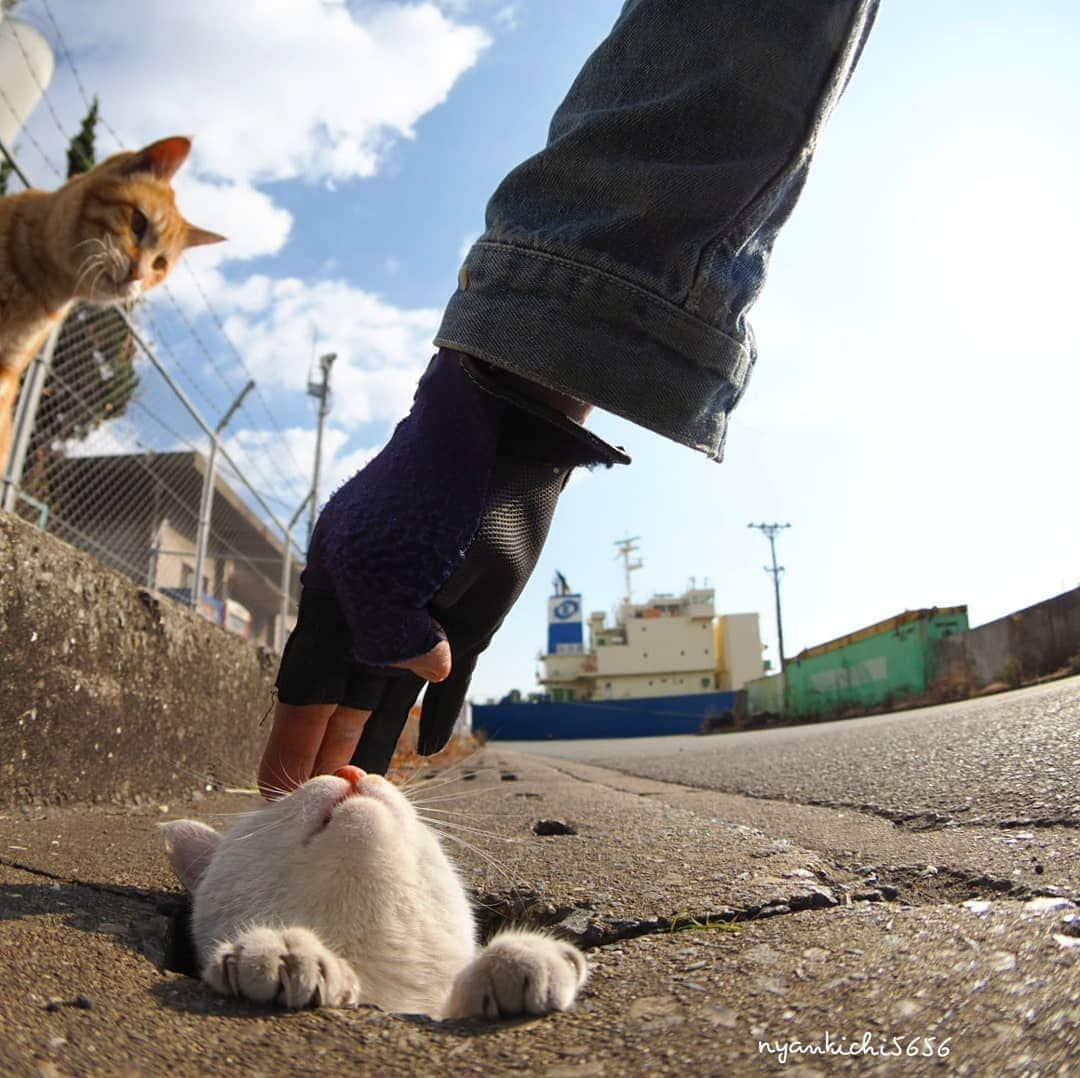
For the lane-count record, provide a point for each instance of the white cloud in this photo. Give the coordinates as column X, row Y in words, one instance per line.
column 272, row 89
column 247, row 218
column 116, row 437
column 290, row 457
column 507, row 16
column 382, row 349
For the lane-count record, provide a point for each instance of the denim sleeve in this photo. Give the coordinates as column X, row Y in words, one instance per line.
column 619, row 263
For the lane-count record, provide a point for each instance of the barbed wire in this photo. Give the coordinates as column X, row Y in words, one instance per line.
column 291, row 481
column 265, row 479
column 34, row 75
column 75, row 72
column 140, row 461
column 243, row 365
column 197, row 338
column 145, row 310
column 24, row 131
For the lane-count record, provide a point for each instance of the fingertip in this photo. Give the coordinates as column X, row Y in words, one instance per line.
column 440, row 661
column 434, row 665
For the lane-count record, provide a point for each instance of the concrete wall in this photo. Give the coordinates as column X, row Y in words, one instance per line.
column 111, row 692
column 1030, row 643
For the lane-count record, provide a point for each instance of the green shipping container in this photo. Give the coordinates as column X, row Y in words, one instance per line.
column 880, row 664
column 765, row 695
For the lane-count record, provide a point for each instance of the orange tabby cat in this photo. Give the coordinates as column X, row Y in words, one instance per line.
column 106, row 236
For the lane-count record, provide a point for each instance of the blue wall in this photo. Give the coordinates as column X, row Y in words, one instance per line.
column 600, row 718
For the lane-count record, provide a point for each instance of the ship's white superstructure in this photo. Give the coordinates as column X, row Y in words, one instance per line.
column 671, row 645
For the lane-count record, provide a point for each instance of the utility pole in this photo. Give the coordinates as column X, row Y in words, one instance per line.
column 321, row 392
column 770, row 531
column 626, row 548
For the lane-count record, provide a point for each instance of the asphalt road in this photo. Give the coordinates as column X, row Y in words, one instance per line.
column 908, row 883
column 1010, row 760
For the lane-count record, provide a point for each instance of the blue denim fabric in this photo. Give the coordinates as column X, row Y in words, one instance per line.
column 619, row 263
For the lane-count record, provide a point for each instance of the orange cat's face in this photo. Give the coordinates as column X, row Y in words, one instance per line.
column 128, row 233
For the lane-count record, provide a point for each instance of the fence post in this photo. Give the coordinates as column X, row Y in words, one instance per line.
column 26, row 416
column 286, row 571
column 206, row 502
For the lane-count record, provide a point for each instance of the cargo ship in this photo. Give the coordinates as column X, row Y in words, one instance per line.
column 663, row 666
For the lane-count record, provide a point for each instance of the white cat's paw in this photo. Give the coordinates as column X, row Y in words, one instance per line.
column 290, row 967
column 518, row 973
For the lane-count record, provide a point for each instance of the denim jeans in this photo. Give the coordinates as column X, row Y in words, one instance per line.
column 619, row 263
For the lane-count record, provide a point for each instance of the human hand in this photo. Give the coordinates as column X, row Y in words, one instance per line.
column 413, row 566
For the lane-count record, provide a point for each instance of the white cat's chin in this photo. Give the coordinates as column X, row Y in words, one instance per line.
column 371, row 805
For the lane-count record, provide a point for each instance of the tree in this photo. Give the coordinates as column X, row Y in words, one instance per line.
column 80, row 154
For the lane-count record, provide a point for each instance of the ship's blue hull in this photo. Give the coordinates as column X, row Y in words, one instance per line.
column 643, row 717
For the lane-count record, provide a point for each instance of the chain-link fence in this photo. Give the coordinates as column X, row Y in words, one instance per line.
column 111, row 455
column 119, row 440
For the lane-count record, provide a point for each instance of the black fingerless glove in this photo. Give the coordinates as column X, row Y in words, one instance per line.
column 438, row 535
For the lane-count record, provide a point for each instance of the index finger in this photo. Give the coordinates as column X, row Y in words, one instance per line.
column 289, row 757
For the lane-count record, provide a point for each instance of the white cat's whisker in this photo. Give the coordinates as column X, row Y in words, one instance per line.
column 483, row 856
column 464, row 827
column 440, row 776
column 458, row 812
column 474, row 792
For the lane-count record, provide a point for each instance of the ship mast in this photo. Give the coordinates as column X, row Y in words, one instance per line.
column 626, row 549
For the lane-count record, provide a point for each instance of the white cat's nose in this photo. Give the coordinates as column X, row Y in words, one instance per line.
column 352, row 775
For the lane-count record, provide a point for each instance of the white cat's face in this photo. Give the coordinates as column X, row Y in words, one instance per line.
column 334, row 849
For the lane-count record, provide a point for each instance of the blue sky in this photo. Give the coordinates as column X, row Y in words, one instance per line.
column 914, row 409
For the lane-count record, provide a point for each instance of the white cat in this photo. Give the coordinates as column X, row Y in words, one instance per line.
column 339, row 894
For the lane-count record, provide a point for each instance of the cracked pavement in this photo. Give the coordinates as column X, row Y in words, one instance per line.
column 909, row 876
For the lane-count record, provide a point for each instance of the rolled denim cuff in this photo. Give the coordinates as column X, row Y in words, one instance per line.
column 597, row 337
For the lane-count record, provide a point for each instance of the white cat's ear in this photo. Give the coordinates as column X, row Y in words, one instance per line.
column 190, row 846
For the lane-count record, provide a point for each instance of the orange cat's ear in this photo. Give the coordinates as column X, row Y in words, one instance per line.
column 196, row 237
column 162, row 158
